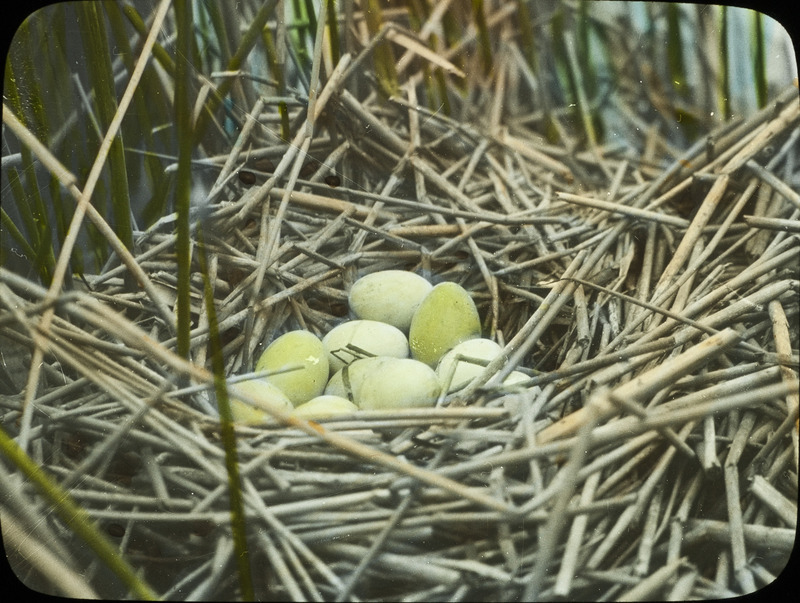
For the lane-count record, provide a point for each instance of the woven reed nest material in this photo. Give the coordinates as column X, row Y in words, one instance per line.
column 653, row 451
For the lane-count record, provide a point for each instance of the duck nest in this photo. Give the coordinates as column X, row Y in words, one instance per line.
column 652, row 452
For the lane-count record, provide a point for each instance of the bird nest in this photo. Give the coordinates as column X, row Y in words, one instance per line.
column 651, row 453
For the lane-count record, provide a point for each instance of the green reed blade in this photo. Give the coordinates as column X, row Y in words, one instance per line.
column 159, row 52
column 218, row 38
column 759, row 59
column 23, row 94
column 333, row 32
column 14, row 232
column 54, row 73
column 147, row 108
column 526, row 39
column 417, row 13
column 299, row 33
column 583, row 48
column 383, row 58
column 38, row 235
column 75, row 517
column 484, row 42
column 276, row 66
column 246, row 44
column 578, row 91
column 677, row 69
column 442, row 100
column 311, row 18
column 228, row 435
column 156, row 205
column 183, row 179
column 101, row 77
column 725, row 74
column 277, row 69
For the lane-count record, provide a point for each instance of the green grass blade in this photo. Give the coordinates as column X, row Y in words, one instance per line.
column 75, row 517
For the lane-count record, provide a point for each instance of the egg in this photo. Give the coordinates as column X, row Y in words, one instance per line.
column 265, row 394
column 446, row 317
column 373, row 337
column 456, row 368
column 336, row 386
column 515, row 378
column 389, row 296
column 291, row 349
column 344, row 384
column 324, row 407
column 386, row 383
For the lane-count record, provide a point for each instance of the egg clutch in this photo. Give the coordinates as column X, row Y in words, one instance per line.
column 410, row 343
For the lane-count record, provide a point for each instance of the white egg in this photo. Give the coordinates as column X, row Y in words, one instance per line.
column 265, row 395
column 291, row 349
column 324, row 407
column 386, row 383
column 467, row 360
column 446, row 317
column 390, row 296
column 343, row 342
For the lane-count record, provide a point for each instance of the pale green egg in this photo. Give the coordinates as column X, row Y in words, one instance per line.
column 515, row 378
column 265, row 395
column 455, row 369
column 398, row 383
column 345, row 383
column 296, row 348
column 446, row 317
column 336, row 386
column 386, row 383
column 324, row 407
column 346, row 342
column 458, row 367
column 390, row 296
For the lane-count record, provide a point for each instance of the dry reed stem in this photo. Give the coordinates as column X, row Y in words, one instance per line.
column 645, row 385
